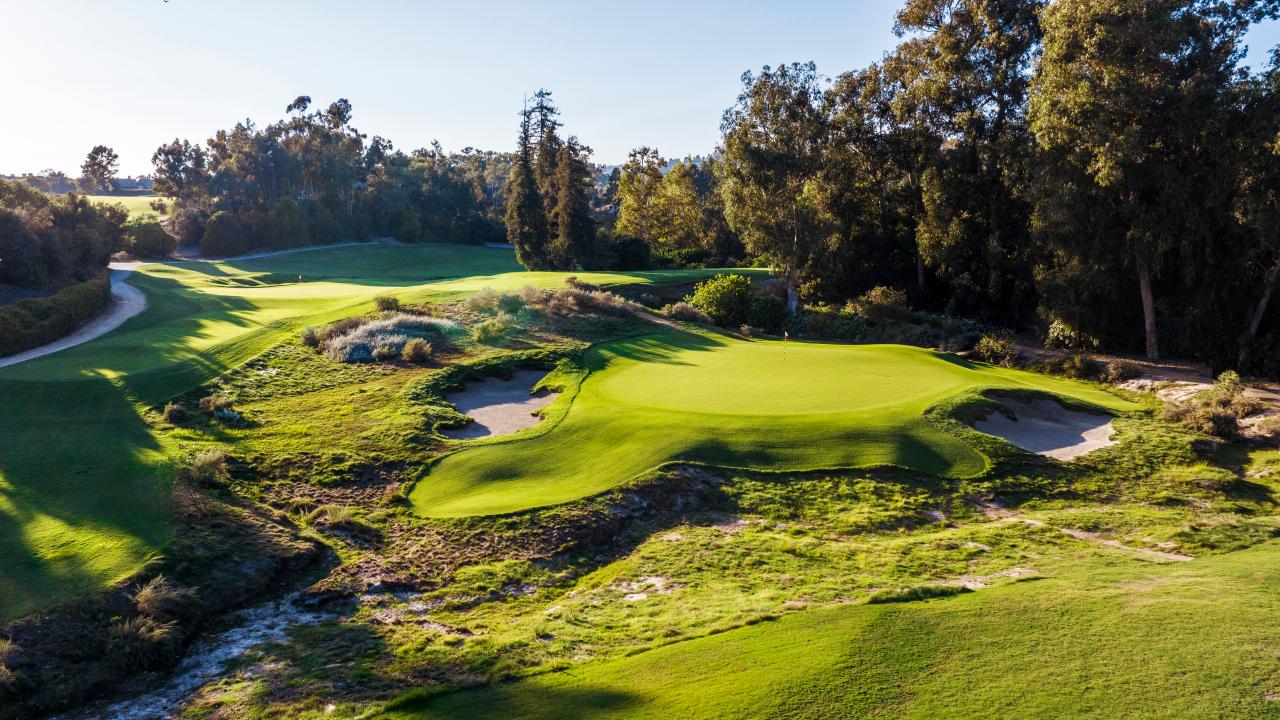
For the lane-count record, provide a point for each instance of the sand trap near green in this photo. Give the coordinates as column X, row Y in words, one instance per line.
column 706, row 398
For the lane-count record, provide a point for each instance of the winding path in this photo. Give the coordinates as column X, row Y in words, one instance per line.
column 126, row 301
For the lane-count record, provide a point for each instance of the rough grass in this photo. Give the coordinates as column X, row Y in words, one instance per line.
column 1101, row 640
column 83, row 478
column 707, row 398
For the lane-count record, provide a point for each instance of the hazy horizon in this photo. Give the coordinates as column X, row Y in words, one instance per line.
column 135, row 74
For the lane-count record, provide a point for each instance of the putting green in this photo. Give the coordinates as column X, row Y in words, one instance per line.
column 711, row 399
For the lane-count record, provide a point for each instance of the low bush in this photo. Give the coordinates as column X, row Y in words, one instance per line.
column 882, row 303
column 997, row 349
column 824, row 322
column 141, row 643
column 175, row 414
column 685, row 312
column 1061, row 336
column 491, row 331
column 207, row 468
column 511, row 303
column 159, row 598
column 145, row 238
column 211, row 404
column 358, row 340
column 416, row 351
column 485, row 300
column 1216, row 411
column 1075, row 365
column 311, row 336
column 731, row 301
column 919, row 592
column 387, row 303
column 577, row 302
column 223, row 236
column 33, row 322
column 1118, row 372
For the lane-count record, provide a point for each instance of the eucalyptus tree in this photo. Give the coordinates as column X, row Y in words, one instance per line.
column 637, row 193
column 772, row 149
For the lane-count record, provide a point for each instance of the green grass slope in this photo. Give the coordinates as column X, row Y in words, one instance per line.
column 1106, row 639
column 705, row 398
column 138, row 205
column 83, row 481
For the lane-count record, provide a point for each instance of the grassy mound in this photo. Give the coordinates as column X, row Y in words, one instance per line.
column 704, row 398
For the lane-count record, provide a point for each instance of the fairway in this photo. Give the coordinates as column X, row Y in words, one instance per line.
column 1103, row 640
column 137, row 205
column 707, row 398
column 87, row 504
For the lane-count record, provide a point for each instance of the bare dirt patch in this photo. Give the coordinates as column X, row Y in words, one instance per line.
column 500, row 407
column 1044, row 426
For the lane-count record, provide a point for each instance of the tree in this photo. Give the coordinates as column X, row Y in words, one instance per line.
column 575, row 238
column 1125, row 94
column 637, row 191
column 222, row 236
column 772, row 148
column 525, row 218
column 180, row 170
column 99, row 167
column 963, row 73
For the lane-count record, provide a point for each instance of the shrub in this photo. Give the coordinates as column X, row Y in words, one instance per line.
column 140, row 643
column 919, row 592
column 33, row 322
column 161, row 599
column 417, row 351
column 492, row 330
column 827, row 323
column 725, row 298
column 1216, row 411
column 211, row 404
column 575, row 302
column 285, row 227
column 1118, row 372
column 311, row 336
column 223, row 236
column 145, row 238
column 532, row 295
column 486, row 300
column 1062, row 336
column 356, row 340
column 767, row 312
column 511, row 303
column 997, row 349
column 387, row 303
column 686, row 312
column 188, row 225
column 1075, row 366
column 883, row 303
column 207, row 468
column 175, row 414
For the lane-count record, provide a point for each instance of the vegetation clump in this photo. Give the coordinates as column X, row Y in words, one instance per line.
column 685, row 312
column 417, row 351
column 207, row 468
column 1216, row 411
column 175, row 413
column 145, row 238
column 387, row 303
column 997, row 349
column 731, row 301
column 362, row 340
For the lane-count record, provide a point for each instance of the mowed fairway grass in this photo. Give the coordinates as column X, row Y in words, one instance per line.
column 707, row 398
column 137, row 205
column 83, row 480
column 1107, row 638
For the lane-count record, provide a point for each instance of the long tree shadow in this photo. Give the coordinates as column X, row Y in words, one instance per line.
column 83, row 491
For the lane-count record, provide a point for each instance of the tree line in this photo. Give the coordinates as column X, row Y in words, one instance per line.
column 1103, row 171
column 314, row 178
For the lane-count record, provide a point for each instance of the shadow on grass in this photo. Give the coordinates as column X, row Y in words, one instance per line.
column 499, row 701
column 661, row 348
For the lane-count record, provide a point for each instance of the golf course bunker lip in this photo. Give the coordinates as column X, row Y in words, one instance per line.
column 1043, row 425
column 499, row 407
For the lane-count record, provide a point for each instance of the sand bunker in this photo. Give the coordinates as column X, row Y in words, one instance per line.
column 500, row 407
column 1044, row 426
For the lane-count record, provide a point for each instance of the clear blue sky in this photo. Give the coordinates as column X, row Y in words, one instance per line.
column 135, row 73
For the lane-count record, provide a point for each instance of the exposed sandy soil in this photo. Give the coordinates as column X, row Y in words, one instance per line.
column 500, row 407
column 126, row 301
column 1044, row 426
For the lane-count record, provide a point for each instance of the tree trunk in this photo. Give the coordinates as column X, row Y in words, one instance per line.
column 1148, row 310
column 919, row 270
column 793, row 295
column 1255, row 321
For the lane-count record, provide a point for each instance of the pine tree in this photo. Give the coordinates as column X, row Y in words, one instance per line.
column 575, row 231
column 525, row 218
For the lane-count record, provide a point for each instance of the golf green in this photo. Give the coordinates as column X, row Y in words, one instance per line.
column 706, row 398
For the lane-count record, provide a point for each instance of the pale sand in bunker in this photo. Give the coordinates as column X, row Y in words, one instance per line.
column 1044, row 426
column 499, row 407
